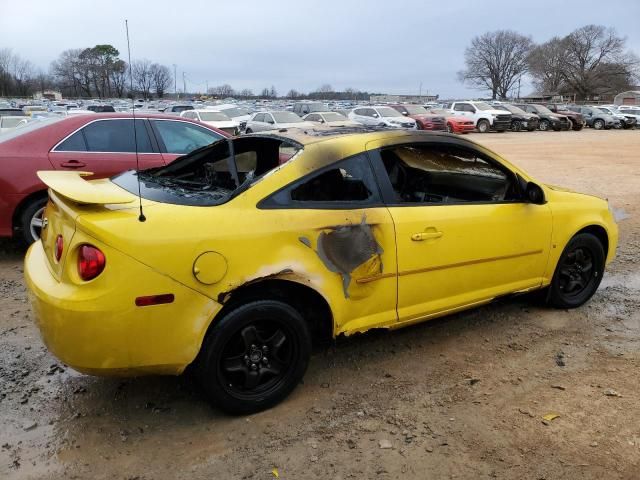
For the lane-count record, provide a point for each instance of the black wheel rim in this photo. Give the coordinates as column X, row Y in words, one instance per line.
column 257, row 359
column 577, row 272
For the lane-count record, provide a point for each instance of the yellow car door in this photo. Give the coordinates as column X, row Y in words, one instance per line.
column 464, row 233
column 337, row 215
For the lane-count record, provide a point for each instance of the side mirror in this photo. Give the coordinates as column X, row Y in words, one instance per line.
column 535, row 194
column 321, row 120
column 406, row 114
column 375, row 115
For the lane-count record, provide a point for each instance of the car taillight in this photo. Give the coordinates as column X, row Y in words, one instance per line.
column 91, row 262
column 59, row 247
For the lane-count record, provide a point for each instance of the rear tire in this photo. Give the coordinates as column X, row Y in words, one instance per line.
column 31, row 220
column 254, row 356
column 578, row 273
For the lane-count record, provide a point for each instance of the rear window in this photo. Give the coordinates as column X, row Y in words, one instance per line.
column 211, row 175
column 31, row 127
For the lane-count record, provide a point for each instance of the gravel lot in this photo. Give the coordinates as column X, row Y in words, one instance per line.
column 460, row 397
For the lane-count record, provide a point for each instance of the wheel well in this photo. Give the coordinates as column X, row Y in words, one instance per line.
column 15, row 221
column 311, row 305
column 600, row 233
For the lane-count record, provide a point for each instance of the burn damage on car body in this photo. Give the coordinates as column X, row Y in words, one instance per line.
column 349, row 250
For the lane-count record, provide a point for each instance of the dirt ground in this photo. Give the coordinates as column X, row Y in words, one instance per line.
column 460, row 397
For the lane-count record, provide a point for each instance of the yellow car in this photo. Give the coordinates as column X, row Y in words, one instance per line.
column 242, row 253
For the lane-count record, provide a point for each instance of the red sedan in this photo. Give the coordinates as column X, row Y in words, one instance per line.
column 99, row 143
column 455, row 124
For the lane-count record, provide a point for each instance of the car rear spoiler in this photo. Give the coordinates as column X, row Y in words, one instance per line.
column 71, row 185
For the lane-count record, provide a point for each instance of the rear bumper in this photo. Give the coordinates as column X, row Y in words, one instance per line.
column 96, row 328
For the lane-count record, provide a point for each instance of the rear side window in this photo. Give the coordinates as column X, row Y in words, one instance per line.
column 116, row 136
column 347, row 184
column 75, row 143
column 183, row 137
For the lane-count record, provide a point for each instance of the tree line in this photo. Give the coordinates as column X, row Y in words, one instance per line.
column 590, row 61
column 324, row 92
column 84, row 72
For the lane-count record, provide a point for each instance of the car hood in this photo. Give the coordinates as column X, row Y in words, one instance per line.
column 496, row 112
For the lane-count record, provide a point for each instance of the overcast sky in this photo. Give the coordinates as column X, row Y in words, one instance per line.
column 375, row 45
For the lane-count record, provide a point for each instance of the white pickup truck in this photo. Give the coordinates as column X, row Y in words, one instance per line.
column 484, row 116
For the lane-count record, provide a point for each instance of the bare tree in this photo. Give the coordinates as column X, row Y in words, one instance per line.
column 161, row 78
column 223, row 91
column 246, row 93
column 293, row 93
column 546, row 65
column 265, row 93
column 273, row 93
column 142, row 76
column 119, row 77
column 326, row 88
column 495, row 61
column 596, row 59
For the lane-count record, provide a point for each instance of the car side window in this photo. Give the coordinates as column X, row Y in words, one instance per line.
column 258, row 118
column 75, row 143
column 346, row 184
column 116, row 136
column 183, row 137
column 314, row 118
column 459, row 107
column 268, row 118
column 445, row 174
column 469, row 108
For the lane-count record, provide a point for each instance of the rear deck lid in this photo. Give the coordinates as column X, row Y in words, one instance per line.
column 71, row 185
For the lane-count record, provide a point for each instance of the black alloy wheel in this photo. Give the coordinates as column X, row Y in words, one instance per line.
column 578, row 273
column 516, row 126
column 544, row 125
column 254, row 356
column 598, row 124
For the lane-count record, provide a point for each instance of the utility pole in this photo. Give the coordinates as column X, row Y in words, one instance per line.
column 184, row 84
column 206, row 92
column 175, row 82
column 420, row 92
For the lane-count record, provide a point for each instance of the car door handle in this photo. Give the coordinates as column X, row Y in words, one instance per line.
column 73, row 164
column 419, row 237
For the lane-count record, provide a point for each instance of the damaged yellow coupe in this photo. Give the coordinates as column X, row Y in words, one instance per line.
column 242, row 253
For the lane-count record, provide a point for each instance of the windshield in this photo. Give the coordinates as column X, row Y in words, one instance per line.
column 415, row 109
column 212, row 116
column 286, row 117
column 512, row 109
column 543, row 109
column 237, row 111
column 388, row 112
column 32, row 126
column 211, row 175
column 334, row 117
column 483, row 106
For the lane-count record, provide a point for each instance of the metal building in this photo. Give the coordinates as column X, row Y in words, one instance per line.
column 631, row 97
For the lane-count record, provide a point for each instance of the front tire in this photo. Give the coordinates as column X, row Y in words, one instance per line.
column 450, row 128
column 544, row 125
column 248, row 131
column 598, row 124
column 254, row 356
column 516, row 126
column 483, row 126
column 578, row 273
column 31, row 220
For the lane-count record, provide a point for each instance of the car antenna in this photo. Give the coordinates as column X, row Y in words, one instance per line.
column 141, row 217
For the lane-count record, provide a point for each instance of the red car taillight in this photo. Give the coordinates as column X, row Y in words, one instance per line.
column 59, row 247
column 91, row 262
